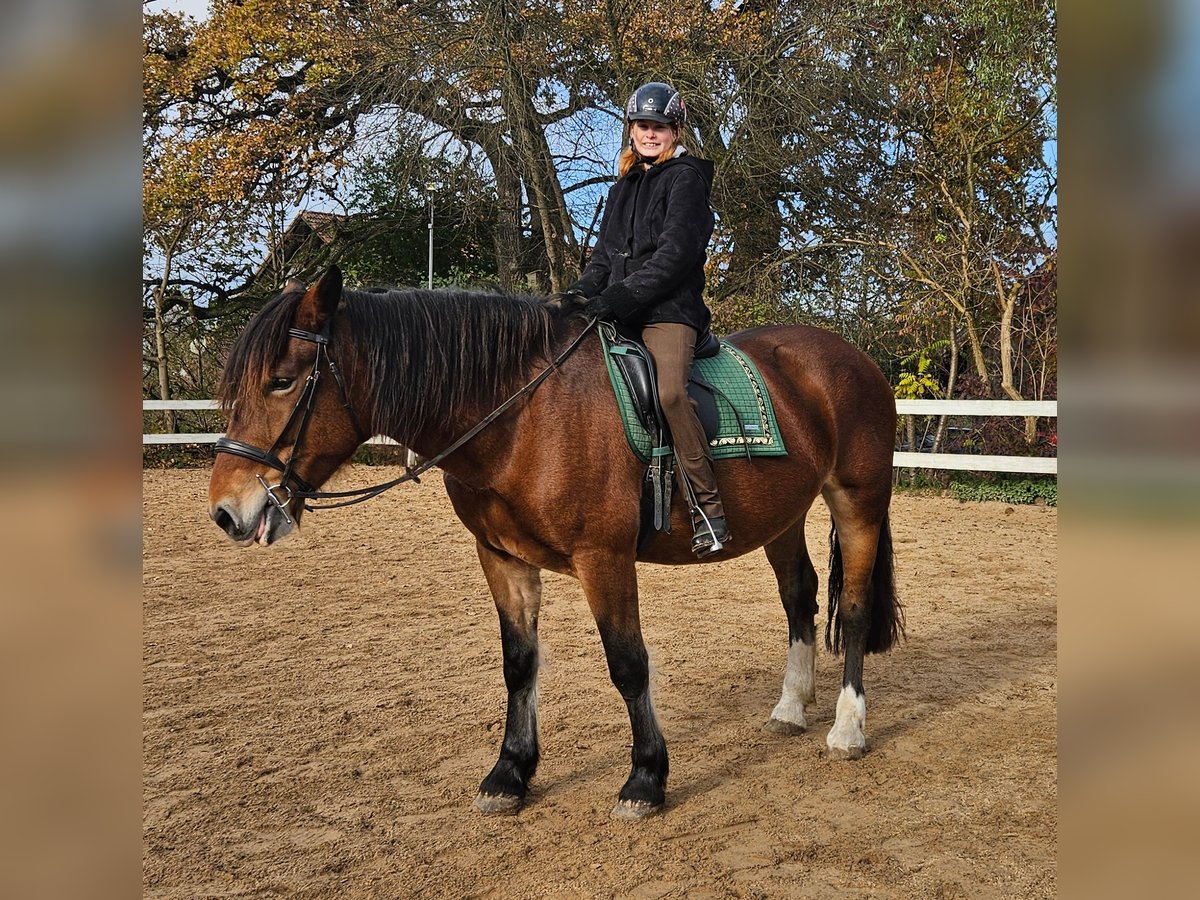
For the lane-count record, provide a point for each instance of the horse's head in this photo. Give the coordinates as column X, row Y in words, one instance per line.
column 291, row 423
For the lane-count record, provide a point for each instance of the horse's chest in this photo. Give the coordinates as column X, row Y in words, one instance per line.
column 491, row 518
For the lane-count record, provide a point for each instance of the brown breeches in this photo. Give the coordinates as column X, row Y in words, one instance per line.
column 673, row 345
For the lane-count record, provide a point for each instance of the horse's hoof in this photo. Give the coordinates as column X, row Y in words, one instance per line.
column 635, row 810
column 778, row 726
column 846, row 752
column 498, row 804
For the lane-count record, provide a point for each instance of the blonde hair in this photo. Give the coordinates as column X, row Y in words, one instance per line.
column 629, row 157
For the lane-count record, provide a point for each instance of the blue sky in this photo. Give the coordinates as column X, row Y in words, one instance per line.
column 195, row 8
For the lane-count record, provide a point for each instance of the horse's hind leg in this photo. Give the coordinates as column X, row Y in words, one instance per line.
column 864, row 616
column 788, row 555
column 517, row 590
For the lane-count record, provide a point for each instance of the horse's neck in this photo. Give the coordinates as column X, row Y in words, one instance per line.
column 488, row 449
column 478, row 461
column 497, row 452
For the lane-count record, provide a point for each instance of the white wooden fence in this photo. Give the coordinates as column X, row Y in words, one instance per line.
column 970, row 462
column 967, row 462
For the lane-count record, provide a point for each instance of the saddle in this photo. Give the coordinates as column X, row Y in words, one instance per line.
column 636, row 366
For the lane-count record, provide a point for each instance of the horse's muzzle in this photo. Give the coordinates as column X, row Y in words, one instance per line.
column 228, row 522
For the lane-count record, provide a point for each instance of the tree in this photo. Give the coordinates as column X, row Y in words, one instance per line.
column 879, row 167
column 974, row 83
column 385, row 242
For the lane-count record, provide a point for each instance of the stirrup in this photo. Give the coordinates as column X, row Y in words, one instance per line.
column 711, row 536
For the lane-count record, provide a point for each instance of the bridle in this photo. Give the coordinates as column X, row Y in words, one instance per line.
column 291, row 483
column 293, row 486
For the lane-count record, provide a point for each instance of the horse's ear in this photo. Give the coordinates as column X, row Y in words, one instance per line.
column 292, row 285
column 318, row 305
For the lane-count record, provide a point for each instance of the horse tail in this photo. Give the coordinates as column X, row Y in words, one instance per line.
column 885, row 624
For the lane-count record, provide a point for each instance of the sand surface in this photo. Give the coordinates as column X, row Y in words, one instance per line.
column 318, row 716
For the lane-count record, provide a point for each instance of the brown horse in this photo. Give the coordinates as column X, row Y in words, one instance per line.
column 551, row 483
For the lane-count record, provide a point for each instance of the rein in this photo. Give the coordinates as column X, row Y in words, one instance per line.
column 304, row 406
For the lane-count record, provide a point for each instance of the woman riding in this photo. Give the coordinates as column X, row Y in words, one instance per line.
column 647, row 273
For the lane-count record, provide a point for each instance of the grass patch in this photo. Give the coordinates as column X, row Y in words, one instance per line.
column 1007, row 490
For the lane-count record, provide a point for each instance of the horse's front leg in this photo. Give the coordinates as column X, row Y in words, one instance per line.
column 610, row 584
column 517, row 589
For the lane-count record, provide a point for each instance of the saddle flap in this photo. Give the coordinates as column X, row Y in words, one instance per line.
column 637, row 368
column 704, row 396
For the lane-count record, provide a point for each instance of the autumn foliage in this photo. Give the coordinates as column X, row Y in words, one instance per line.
column 883, row 169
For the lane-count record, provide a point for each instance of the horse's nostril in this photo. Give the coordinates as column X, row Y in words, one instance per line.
column 224, row 520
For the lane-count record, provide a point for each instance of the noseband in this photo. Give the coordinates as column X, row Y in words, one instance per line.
column 296, row 487
column 290, row 483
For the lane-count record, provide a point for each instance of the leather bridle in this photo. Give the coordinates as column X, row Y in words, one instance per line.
column 291, row 483
column 293, row 486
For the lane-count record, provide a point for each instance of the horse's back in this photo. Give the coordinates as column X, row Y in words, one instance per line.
column 803, row 354
column 828, row 395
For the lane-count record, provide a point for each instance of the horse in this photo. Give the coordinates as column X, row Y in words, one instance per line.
column 545, row 480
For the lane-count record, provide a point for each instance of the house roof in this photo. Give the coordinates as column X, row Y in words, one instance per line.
column 307, row 228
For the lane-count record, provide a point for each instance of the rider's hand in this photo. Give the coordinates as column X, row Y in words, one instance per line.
column 599, row 308
column 565, row 300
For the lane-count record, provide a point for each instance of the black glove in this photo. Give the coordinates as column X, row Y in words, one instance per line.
column 599, row 308
column 565, row 300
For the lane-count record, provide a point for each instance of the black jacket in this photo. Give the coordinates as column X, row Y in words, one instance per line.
column 648, row 261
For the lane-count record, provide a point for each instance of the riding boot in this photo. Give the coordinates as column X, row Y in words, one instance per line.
column 673, row 346
column 711, row 535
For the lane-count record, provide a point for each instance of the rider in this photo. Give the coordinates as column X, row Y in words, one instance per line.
column 647, row 272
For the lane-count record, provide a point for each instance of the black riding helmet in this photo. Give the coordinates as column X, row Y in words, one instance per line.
column 656, row 102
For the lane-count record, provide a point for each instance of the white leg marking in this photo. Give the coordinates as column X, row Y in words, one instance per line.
column 846, row 738
column 797, row 684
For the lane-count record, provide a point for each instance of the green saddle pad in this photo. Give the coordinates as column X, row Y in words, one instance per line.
column 740, row 394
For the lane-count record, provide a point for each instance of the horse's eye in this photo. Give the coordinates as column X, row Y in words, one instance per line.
column 280, row 385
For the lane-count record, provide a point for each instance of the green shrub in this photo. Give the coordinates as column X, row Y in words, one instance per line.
column 920, row 481
column 177, row 456
column 1024, row 491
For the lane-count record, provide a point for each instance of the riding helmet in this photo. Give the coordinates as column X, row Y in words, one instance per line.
column 657, row 102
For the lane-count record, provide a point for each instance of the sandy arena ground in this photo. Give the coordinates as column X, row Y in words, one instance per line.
column 318, row 717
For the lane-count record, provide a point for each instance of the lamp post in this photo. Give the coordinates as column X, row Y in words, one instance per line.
column 430, row 187
column 411, row 457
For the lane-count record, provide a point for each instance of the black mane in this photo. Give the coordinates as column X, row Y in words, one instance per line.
column 427, row 356
column 430, row 355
